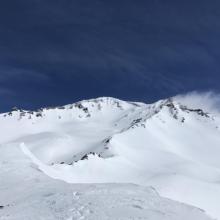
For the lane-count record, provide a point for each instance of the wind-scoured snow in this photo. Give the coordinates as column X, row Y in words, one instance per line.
column 26, row 193
column 166, row 145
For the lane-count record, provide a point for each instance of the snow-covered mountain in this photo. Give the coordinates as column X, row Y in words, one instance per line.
column 166, row 145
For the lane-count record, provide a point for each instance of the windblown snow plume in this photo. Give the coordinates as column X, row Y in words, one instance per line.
column 208, row 101
column 172, row 145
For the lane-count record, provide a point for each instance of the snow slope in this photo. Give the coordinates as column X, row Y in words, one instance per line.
column 26, row 193
column 167, row 145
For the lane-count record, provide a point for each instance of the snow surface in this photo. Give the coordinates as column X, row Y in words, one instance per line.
column 166, row 145
column 28, row 194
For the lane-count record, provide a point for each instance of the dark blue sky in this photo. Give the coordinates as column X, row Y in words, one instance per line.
column 54, row 52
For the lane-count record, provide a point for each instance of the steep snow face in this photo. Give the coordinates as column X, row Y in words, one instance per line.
column 167, row 145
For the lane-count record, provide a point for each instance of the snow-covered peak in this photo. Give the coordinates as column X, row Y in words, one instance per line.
column 165, row 144
column 105, row 105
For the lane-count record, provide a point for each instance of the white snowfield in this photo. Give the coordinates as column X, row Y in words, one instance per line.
column 166, row 145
